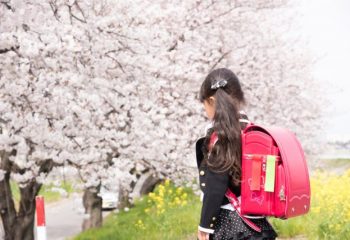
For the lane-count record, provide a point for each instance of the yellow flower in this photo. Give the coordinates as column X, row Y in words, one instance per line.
column 179, row 190
column 337, row 227
column 140, row 224
column 177, row 201
column 315, row 209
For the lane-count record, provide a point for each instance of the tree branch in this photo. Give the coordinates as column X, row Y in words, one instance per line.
column 15, row 48
column 220, row 59
column 7, row 5
column 218, row 16
column 74, row 16
column 119, row 64
column 54, row 9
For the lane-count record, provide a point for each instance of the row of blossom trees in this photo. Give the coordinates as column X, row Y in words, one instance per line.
column 110, row 87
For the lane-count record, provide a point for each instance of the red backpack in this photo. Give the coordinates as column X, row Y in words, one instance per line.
column 275, row 178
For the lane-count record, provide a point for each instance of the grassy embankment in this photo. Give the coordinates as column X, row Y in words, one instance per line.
column 172, row 213
column 50, row 192
column 166, row 213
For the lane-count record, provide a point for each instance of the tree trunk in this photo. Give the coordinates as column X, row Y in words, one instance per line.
column 144, row 184
column 123, row 198
column 18, row 226
column 7, row 208
column 93, row 207
column 25, row 217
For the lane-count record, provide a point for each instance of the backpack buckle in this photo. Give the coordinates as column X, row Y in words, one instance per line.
column 282, row 194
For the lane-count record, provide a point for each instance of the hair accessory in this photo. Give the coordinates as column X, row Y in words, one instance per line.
column 219, row 84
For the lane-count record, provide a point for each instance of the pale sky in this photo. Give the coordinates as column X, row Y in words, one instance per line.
column 328, row 24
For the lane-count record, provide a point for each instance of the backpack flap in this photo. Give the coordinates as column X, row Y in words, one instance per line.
column 297, row 189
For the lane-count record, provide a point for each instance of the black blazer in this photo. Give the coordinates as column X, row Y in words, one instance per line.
column 214, row 186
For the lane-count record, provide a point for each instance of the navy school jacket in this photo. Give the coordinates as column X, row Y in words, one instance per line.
column 213, row 186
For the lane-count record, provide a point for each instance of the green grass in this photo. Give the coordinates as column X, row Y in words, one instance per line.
column 52, row 196
column 46, row 191
column 337, row 163
column 177, row 222
column 290, row 227
column 15, row 191
column 329, row 216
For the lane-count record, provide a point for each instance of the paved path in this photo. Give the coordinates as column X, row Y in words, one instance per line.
column 63, row 218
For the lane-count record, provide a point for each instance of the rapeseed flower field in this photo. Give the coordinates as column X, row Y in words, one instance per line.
column 164, row 197
column 329, row 216
column 171, row 212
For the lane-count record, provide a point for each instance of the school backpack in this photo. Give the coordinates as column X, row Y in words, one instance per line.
column 275, row 178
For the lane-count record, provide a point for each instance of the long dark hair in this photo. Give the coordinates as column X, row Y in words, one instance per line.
column 225, row 155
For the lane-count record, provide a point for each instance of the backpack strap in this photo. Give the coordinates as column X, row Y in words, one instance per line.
column 243, row 120
column 229, row 194
column 237, row 206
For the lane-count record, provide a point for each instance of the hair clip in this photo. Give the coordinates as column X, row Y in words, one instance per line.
column 219, row 84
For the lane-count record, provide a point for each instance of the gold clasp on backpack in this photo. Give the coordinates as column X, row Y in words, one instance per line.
column 282, row 194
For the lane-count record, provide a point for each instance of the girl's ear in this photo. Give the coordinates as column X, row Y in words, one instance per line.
column 211, row 101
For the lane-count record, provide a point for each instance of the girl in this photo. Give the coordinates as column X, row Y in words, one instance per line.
column 219, row 161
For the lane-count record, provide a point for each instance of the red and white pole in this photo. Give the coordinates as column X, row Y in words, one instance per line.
column 40, row 218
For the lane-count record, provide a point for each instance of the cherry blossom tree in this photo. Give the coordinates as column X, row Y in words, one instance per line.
column 111, row 88
column 259, row 41
column 59, row 102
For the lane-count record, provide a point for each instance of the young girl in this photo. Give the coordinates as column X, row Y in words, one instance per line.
column 219, row 161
